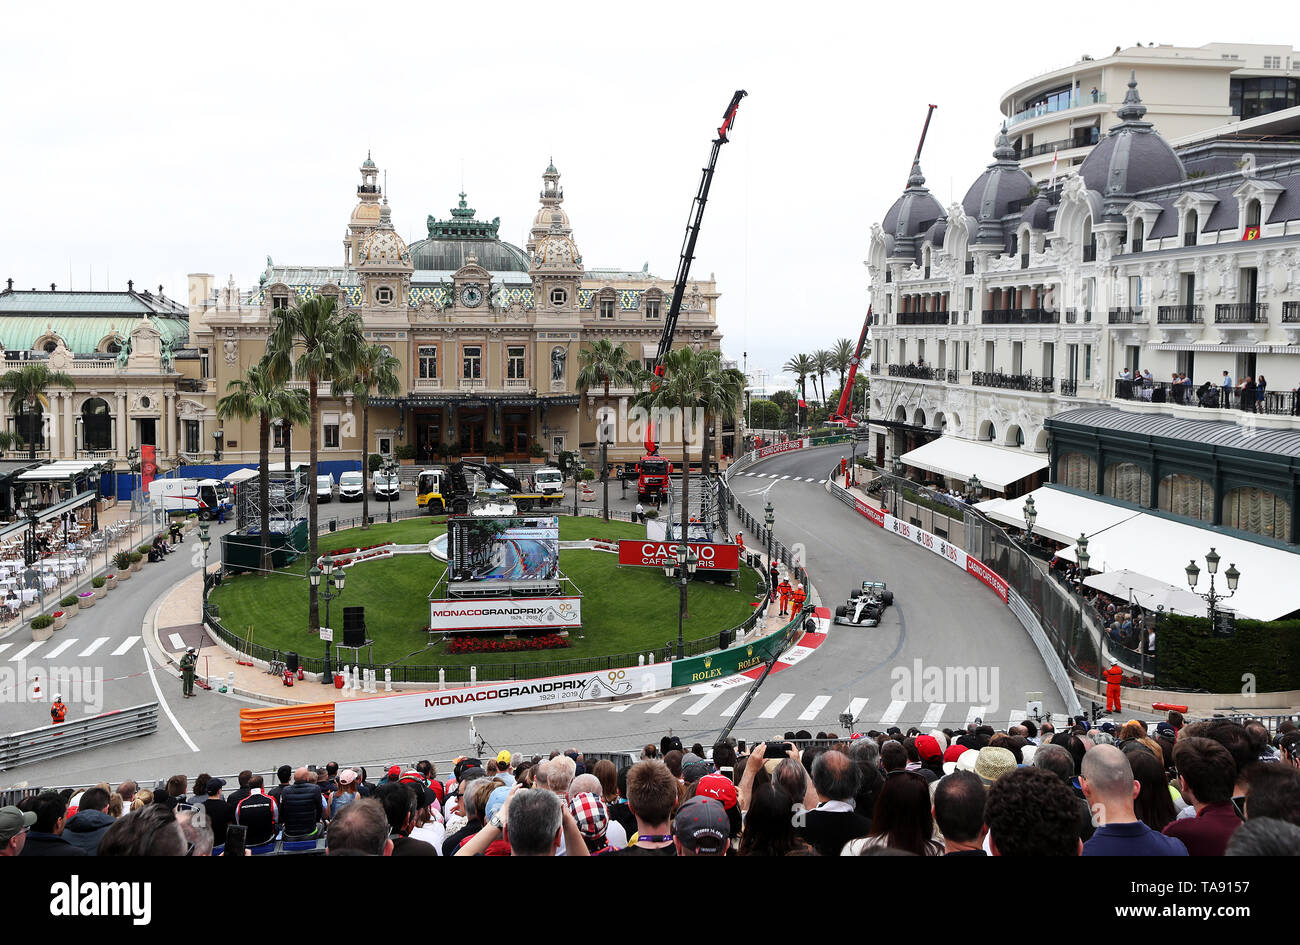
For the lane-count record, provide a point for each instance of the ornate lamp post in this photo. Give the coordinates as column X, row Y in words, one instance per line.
column 390, row 470
column 216, row 449
column 205, row 540
column 769, row 516
column 687, row 561
column 1081, row 552
column 334, row 577
column 973, row 487
column 1212, row 597
column 1031, row 516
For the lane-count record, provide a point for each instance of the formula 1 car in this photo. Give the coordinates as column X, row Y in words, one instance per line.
column 865, row 606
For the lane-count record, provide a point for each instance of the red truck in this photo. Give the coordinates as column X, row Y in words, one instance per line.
column 652, row 472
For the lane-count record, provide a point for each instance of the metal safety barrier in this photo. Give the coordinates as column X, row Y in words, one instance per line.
column 51, row 741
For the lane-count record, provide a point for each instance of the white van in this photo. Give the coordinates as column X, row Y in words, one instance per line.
column 203, row 496
column 548, row 481
column 324, row 488
column 351, row 486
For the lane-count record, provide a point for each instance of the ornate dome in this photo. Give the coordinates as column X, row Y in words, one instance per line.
column 384, row 246
column 1131, row 158
column 452, row 242
column 990, row 197
column 911, row 213
column 557, row 250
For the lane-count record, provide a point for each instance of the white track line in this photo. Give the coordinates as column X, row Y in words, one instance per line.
column 661, row 705
column 90, row 650
column 731, row 709
column 620, row 708
column 176, row 641
column 779, row 703
column 148, row 664
column 25, row 650
column 814, row 707
column 854, row 708
column 699, row 705
column 5, row 646
column 60, row 648
column 126, row 645
column 893, row 713
column 975, row 712
column 933, row 714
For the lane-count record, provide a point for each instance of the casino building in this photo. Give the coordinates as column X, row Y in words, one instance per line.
column 487, row 333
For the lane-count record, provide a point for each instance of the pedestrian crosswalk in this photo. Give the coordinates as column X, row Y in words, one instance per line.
column 61, row 647
column 785, row 477
column 826, row 710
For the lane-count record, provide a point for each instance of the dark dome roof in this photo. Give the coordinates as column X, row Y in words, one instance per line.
column 911, row 213
column 450, row 254
column 1002, row 183
column 451, row 242
column 934, row 235
column 1036, row 215
column 1131, row 158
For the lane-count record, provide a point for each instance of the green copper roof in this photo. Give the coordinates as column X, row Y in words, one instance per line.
column 83, row 334
column 462, row 225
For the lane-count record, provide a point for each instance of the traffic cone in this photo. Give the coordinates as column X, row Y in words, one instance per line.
column 36, row 687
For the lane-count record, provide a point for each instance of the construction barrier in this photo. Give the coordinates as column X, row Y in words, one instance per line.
column 51, row 741
column 315, row 718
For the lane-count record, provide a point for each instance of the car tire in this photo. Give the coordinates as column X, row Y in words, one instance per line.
column 841, row 611
column 887, row 597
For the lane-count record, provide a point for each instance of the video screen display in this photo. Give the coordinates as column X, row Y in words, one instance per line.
column 503, row 549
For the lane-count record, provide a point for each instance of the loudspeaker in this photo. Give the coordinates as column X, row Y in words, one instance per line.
column 291, row 661
column 354, row 626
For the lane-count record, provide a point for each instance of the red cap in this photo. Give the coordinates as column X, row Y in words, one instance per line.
column 394, row 772
column 927, row 746
column 718, row 787
column 954, row 752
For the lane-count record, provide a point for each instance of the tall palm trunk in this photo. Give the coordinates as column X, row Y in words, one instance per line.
column 604, row 454
column 264, row 489
column 287, row 427
column 365, row 462
column 313, row 446
column 686, row 490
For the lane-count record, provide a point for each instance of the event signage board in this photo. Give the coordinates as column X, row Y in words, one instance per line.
column 659, row 554
column 869, row 511
column 505, row 548
column 353, row 714
column 765, row 451
column 505, row 613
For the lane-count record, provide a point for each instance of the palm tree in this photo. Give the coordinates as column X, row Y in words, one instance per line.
column 608, row 364
column 314, row 342
column 259, row 396
column 691, row 383
column 29, row 384
column 800, row 366
column 823, row 362
column 375, row 369
column 842, row 357
column 722, row 395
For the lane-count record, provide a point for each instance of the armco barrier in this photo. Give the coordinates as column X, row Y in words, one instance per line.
column 51, row 741
column 257, row 725
column 981, row 572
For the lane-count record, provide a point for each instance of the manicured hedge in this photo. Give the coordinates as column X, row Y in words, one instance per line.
column 1188, row 656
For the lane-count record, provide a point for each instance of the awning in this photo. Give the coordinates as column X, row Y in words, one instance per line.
column 1159, row 548
column 240, row 475
column 1062, row 515
column 1147, row 592
column 960, row 459
column 60, row 471
column 68, row 505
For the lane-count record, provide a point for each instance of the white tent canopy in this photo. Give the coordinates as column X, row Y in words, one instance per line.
column 240, row 475
column 1062, row 515
column 960, row 459
column 1147, row 592
column 59, row 471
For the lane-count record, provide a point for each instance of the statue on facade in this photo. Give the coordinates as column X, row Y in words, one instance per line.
column 558, row 357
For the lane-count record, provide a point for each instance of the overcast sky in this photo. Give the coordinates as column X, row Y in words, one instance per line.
column 146, row 142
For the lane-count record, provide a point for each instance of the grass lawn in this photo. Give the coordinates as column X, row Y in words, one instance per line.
column 624, row 610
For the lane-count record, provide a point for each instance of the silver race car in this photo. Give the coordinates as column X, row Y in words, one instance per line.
column 865, row 605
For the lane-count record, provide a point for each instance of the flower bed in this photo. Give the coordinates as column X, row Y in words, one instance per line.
column 346, row 557
column 479, row 644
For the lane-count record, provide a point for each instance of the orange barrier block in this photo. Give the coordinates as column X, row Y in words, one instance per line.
column 286, row 721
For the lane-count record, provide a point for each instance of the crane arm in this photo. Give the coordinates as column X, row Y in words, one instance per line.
column 846, row 395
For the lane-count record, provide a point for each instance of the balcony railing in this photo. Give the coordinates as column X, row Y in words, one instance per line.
column 1080, row 100
column 918, row 372
column 923, row 318
column 1013, row 381
column 1076, row 315
column 1020, row 316
column 954, row 376
column 1244, row 313
column 472, row 383
column 875, row 368
column 1069, row 387
column 1276, row 402
column 1180, row 314
column 517, row 383
column 1291, row 311
column 1135, row 246
column 1126, row 316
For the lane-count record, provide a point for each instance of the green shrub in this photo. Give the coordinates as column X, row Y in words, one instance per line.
column 536, row 450
column 588, row 475
column 98, row 582
column 69, row 601
column 375, row 462
column 41, row 622
column 143, row 549
column 1189, row 656
column 136, row 557
column 122, row 560
column 405, row 451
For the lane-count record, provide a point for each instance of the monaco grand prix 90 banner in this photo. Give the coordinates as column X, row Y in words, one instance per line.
column 505, row 613
column 659, row 554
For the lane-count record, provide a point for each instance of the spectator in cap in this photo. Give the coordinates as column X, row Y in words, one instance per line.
column 959, row 800
column 593, row 821
column 1031, row 813
column 615, row 835
column 701, row 828
column 993, row 763
column 347, row 792
column 903, row 819
column 14, row 824
column 931, row 755
column 1110, row 788
column 360, row 829
column 503, row 768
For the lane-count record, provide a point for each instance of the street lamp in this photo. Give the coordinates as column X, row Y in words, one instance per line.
column 216, row 449
column 769, row 516
column 1212, row 597
column 205, row 540
column 687, row 561
column 1031, row 516
column 390, row 470
column 334, row 578
column 1081, row 552
column 973, row 487
column 133, row 461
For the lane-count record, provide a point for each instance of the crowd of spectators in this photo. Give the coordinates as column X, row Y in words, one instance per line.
column 1208, row 788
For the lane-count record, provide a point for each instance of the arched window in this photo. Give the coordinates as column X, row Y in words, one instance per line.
column 1252, row 213
column 96, row 425
column 1139, row 233
column 1077, row 471
column 1187, row 496
column 1191, row 224
column 1258, row 511
column 1128, row 482
column 987, row 431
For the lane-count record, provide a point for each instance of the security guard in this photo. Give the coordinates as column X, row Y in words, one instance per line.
column 797, row 599
column 785, row 591
column 58, row 711
column 1113, row 677
column 775, row 576
column 188, row 663
column 740, row 544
